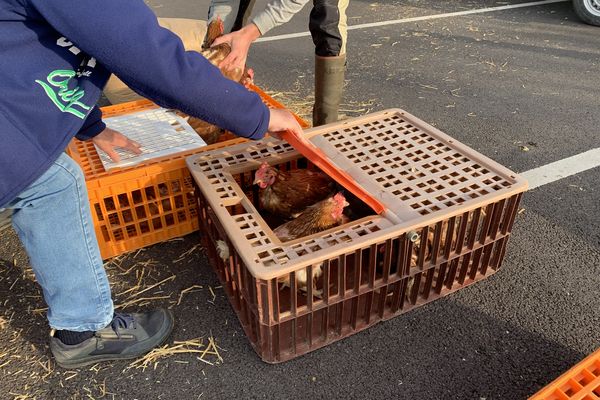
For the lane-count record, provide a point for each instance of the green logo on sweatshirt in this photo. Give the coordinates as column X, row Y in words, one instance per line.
column 57, row 89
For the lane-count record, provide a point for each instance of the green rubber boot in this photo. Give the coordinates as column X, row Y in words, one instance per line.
column 329, row 86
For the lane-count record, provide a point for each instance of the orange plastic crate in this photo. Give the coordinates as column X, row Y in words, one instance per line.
column 137, row 206
column 582, row 382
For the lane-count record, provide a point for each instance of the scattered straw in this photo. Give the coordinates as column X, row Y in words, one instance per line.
column 294, row 102
column 302, row 106
column 133, row 293
column 126, row 272
column 13, row 284
column 152, row 286
column 138, row 252
column 48, row 367
column 197, row 346
column 73, row 375
column 188, row 290
column 211, row 349
column 102, row 389
column 141, row 299
column 186, row 253
column 136, row 286
column 39, row 311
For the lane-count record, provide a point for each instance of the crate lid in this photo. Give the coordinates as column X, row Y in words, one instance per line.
column 419, row 173
column 159, row 131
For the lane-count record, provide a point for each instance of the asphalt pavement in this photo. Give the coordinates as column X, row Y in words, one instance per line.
column 518, row 85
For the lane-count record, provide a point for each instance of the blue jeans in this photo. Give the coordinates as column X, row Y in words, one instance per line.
column 53, row 220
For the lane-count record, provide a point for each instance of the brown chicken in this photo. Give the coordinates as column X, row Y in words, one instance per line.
column 288, row 193
column 208, row 132
column 217, row 53
column 213, row 31
column 325, row 214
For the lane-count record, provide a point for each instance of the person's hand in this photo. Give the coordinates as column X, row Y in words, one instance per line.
column 108, row 139
column 240, row 42
column 282, row 120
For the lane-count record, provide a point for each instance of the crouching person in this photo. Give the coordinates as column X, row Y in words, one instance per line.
column 56, row 57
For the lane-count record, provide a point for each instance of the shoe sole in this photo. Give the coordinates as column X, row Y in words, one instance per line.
column 116, row 357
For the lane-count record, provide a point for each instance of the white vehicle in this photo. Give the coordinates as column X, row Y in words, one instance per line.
column 588, row 11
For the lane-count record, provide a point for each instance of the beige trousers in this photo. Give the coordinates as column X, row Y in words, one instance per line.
column 190, row 31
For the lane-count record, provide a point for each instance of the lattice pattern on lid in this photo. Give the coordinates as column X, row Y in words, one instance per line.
column 160, row 132
column 418, row 172
column 424, row 171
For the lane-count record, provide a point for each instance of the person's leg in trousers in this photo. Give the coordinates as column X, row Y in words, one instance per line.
column 243, row 14
column 228, row 10
column 233, row 13
column 328, row 28
column 52, row 218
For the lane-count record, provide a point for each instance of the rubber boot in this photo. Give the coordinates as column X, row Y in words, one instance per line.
column 329, row 86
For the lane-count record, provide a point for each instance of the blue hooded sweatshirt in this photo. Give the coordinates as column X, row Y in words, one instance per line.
column 57, row 55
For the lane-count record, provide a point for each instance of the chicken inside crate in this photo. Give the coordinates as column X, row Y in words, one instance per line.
column 297, row 292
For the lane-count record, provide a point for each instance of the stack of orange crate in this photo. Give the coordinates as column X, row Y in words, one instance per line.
column 582, row 382
column 137, row 206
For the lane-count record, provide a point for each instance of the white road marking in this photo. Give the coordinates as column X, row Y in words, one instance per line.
column 416, row 19
column 562, row 168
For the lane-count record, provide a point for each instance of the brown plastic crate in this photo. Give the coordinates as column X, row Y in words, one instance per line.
column 457, row 203
column 137, row 206
column 582, row 382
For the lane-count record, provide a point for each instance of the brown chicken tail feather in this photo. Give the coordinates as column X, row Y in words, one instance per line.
column 214, row 30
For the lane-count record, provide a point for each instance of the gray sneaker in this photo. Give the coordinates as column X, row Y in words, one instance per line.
column 127, row 336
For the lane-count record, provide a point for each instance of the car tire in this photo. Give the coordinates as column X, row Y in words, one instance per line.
column 588, row 11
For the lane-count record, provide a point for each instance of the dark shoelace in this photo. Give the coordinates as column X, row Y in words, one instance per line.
column 122, row 320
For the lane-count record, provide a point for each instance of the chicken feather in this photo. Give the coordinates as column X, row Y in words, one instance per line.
column 288, row 193
column 325, row 214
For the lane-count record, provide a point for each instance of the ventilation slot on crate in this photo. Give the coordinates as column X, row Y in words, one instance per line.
column 455, row 210
column 580, row 382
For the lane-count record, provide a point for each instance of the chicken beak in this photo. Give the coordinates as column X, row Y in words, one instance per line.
column 261, row 184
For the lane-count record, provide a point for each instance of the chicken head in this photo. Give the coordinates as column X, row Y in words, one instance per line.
column 265, row 176
column 338, row 204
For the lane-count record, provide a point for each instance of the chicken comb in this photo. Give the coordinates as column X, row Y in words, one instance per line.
column 320, row 159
